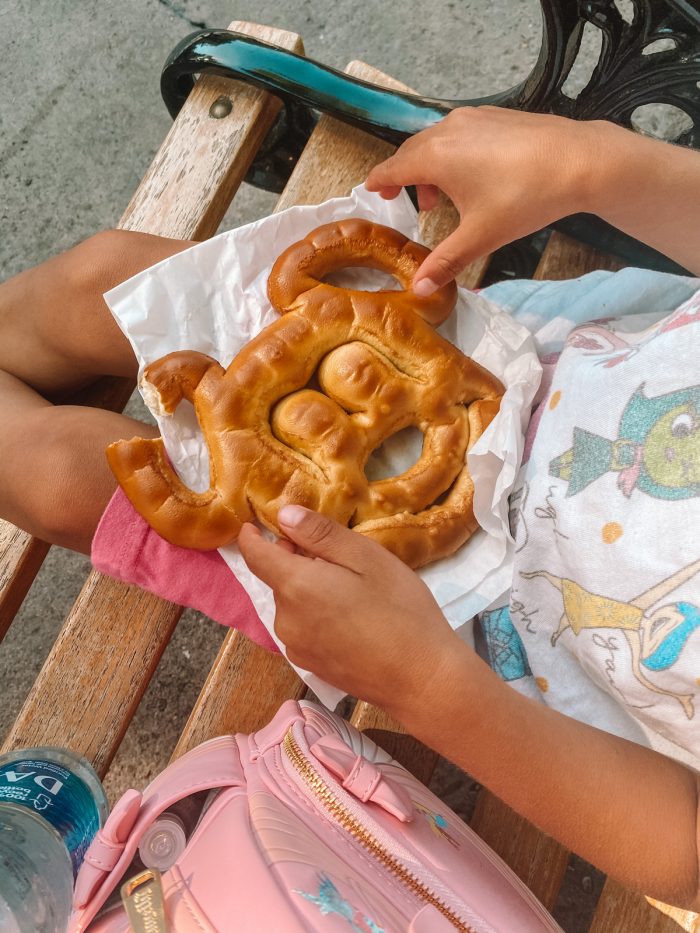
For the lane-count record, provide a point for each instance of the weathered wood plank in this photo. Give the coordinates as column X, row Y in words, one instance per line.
column 21, row 556
column 565, row 258
column 203, row 159
column 115, row 635
column 243, row 691
column 96, row 673
column 620, row 910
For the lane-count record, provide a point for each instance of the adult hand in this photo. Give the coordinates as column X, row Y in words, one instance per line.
column 350, row 611
column 508, row 173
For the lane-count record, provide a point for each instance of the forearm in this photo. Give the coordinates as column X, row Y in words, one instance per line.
column 626, row 809
column 648, row 189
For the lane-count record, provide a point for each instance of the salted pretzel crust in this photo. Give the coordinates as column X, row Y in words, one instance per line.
column 296, row 415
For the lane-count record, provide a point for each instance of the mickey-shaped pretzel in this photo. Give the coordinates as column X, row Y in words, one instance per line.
column 300, row 409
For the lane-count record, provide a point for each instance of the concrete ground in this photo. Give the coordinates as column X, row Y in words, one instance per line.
column 80, row 120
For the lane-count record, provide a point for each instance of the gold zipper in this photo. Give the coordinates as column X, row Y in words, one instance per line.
column 343, row 816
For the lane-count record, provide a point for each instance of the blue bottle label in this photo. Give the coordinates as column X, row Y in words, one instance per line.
column 56, row 794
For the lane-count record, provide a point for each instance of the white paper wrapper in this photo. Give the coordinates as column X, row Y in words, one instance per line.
column 212, row 298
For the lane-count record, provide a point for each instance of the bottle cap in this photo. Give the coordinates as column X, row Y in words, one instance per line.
column 163, row 843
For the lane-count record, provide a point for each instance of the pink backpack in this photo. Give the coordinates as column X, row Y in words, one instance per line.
column 314, row 828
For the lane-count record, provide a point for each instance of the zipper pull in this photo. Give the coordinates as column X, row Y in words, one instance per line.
column 361, row 778
column 144, row 903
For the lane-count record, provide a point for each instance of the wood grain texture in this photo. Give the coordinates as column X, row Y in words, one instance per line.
column 564, row 258
column 537, row 859
column 244, row 690
column 21, row 556
column 97, row 671
column 619, row 910
column 203, row 160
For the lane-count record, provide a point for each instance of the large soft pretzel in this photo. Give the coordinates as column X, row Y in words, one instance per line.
column 300, row 409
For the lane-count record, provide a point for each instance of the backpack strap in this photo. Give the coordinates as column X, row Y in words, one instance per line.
column 215, row 764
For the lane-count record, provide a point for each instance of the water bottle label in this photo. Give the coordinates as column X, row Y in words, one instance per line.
column 56, row 794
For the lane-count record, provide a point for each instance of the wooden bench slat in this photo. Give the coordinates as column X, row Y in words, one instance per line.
column 243, row 691
column 97, row 671
column 620, row 910
column 186, row 191
column 564, row 258
column 21, row 556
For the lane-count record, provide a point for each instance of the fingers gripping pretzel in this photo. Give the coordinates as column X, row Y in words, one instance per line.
column 300, row 409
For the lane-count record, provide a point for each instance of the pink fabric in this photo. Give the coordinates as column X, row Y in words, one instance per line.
column 126, row 547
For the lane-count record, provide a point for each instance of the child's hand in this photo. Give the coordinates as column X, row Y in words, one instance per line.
column 508, row 173
column 350, row 611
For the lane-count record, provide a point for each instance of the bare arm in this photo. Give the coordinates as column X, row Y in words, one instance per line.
column 651, row 190
column 511, row 173
column 624, row 808
column 356, row 616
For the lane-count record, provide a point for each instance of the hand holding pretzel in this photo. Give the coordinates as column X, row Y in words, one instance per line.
column 295, row 417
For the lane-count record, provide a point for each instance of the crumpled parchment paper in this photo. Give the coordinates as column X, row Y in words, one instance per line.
column 212, row 298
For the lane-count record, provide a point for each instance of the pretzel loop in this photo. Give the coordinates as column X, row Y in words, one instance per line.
column 352, row 243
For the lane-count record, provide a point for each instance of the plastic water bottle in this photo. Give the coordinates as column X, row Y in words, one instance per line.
column 51, row 805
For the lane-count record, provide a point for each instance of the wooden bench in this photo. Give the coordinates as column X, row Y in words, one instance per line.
column 110, row 644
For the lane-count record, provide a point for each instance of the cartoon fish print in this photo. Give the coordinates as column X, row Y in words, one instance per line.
column 656, row 636
column 657, row 449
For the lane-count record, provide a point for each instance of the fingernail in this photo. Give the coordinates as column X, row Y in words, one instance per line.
column 292, row 515
column 425, row 288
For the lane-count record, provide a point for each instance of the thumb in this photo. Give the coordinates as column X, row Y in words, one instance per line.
column 446, row 261
column 320, row 536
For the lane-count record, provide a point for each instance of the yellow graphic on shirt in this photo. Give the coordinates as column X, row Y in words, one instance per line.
column 656, row 636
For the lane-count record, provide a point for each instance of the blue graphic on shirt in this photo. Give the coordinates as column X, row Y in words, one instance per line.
column 505, row 648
